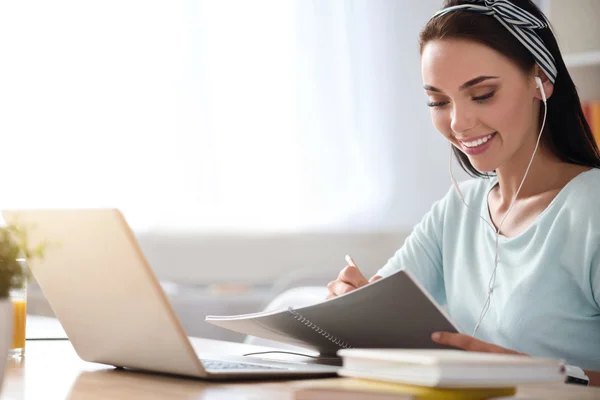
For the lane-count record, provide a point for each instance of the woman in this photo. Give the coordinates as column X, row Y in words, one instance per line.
column 515, row 252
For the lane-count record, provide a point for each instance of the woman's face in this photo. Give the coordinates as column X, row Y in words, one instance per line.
column 480, row 101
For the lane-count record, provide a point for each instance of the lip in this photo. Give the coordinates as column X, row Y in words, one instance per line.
column 479, row 149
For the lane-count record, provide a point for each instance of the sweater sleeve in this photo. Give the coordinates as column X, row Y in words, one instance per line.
column 421, row 253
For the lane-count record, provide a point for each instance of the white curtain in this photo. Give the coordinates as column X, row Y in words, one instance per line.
column 218, row 114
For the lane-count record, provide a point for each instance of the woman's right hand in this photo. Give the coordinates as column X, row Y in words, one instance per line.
column 350, row 278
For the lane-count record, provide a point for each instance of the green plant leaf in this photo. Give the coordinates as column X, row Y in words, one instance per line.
column 15, row 251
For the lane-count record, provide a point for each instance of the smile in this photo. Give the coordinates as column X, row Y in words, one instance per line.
column 479, row 145
column 479, row 141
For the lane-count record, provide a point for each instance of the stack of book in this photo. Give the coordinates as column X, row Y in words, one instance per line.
column 378, row 374
column 591, row 110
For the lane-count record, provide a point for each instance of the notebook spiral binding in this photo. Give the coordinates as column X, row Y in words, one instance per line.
column 339, row 342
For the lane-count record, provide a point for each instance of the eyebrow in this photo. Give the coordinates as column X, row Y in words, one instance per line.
column 465, row 85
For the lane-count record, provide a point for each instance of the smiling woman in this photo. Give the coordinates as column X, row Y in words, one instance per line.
column 516, row 256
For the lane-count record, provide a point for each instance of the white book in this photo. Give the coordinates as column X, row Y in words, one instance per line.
column 449, row 368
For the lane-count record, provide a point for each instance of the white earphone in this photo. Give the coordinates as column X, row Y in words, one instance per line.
column 492, row 281
column 540, row 86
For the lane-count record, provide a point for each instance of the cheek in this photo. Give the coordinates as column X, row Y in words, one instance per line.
column 502, row 116
column 509, row 117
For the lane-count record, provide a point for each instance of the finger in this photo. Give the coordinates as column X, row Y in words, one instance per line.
column 374, row 278
column 330, row 289
column 338, row 287
column 458, row 340
column 352, row 276
column 467, row 342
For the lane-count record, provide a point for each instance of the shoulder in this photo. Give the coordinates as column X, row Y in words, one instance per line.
column 582, row 194
column 472, row 191
column 589, row 181
column 451, row 209
column 575, row 211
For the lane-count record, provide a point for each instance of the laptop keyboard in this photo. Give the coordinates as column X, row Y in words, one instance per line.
column 214, row 364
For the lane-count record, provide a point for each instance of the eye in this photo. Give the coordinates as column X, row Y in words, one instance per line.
column 436, row 104
column 481, row 99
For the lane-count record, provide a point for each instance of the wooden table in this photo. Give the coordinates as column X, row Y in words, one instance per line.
column 52, row 370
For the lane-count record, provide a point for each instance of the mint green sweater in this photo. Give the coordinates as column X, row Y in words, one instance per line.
column 546, row 300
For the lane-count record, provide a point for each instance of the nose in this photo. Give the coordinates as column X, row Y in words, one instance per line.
column 463, row 119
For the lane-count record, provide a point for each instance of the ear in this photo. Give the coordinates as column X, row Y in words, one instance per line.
column 546, row 83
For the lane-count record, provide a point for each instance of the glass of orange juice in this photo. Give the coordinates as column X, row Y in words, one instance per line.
column 18, row 297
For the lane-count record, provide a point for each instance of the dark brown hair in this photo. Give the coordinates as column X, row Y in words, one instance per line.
column 566, row 133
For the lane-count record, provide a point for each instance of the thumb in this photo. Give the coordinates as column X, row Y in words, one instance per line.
column 375, row 278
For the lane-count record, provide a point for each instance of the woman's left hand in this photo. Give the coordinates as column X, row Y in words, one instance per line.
column 469, row 343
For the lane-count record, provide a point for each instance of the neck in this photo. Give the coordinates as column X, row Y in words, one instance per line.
column 543, row 174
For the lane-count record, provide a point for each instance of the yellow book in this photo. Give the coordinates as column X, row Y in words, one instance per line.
column 363, row 389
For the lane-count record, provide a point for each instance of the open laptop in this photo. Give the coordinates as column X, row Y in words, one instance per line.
column 113, row 309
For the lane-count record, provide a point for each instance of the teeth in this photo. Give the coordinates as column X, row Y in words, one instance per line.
column 478, row 142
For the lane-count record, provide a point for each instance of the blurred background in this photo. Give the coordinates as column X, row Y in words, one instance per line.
column 250, row 144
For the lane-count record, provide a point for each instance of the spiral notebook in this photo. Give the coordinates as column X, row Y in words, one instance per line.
column 392, row 312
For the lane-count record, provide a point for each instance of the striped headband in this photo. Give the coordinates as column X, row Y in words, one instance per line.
column 519, row 22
